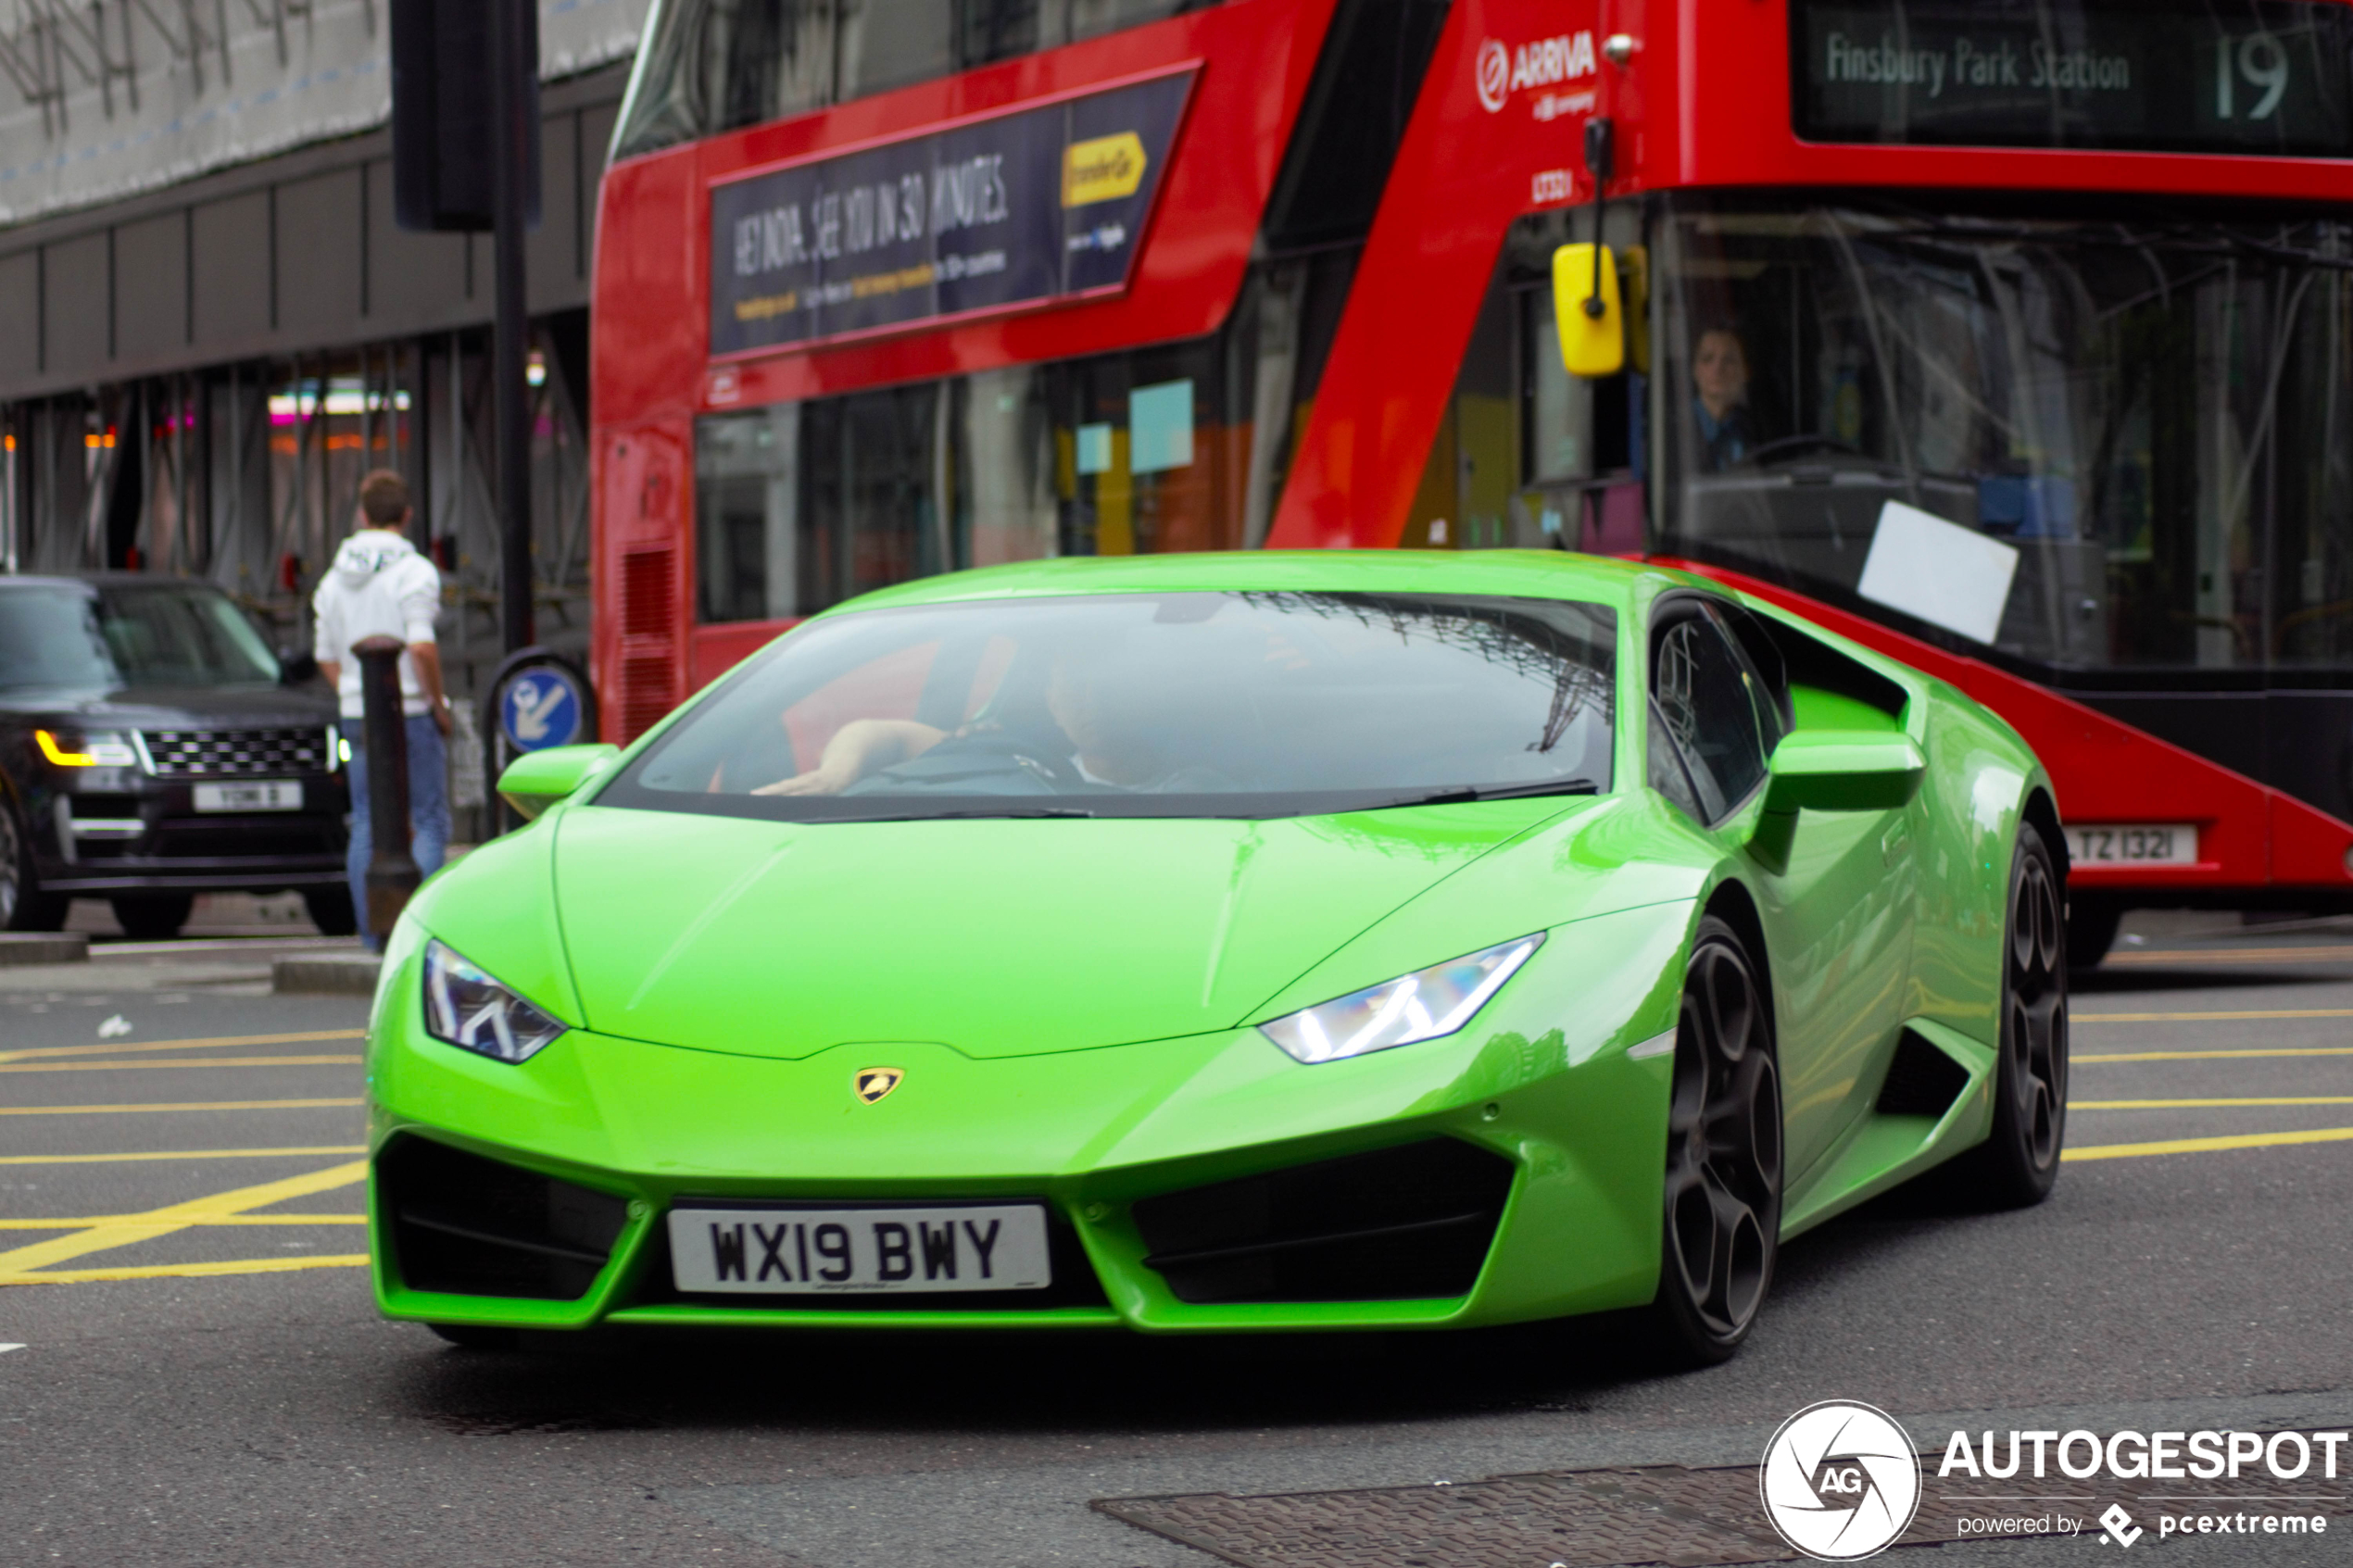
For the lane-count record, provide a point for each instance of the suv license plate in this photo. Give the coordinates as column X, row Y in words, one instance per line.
column 2134, row 843
column 249, row 796
column 815, row 1251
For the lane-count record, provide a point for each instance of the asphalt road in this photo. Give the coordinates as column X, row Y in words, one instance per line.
column 192, row 1374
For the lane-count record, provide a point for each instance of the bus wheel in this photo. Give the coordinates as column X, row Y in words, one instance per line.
column 2091, row 931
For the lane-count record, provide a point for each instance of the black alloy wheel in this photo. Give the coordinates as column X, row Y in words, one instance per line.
column 2017, row 1162
column 152, row 917
column 1723, row 1209
column 23, row 907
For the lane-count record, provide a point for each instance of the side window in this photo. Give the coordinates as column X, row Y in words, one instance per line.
column 1709, row 702
column 1666, row 770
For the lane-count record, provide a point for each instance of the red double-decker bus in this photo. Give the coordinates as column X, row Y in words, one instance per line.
column 2011, row 337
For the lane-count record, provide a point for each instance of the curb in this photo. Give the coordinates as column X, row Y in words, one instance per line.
column 44, row 947
column 325, row 974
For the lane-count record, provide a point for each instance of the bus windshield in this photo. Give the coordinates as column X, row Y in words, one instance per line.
column 2090, row 443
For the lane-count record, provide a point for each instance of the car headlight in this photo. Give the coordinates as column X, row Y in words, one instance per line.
column 1421, row 1006
column 469, row 1009
column 102, row 750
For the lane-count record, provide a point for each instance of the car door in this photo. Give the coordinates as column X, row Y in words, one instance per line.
column 1835, row 911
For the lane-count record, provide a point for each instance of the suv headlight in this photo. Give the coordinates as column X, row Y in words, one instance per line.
column 100, row 748
column 473, row 1012
column 1421, row 1006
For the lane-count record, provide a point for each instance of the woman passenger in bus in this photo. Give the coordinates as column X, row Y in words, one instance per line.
column 1719, row 404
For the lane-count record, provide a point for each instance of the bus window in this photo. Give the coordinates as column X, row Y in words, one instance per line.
column 2147, row 421
column 708, row 66
column 800, row 505
column 1527, row 456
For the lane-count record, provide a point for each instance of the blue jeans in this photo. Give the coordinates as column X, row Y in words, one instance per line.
column 428, row 810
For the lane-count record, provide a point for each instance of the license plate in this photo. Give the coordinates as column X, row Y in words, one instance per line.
column 2134, row 843
column 829, row 1251
column 249, row 798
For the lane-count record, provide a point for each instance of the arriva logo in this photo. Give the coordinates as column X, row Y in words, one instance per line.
column 1839, row 1481
column 1545, row 63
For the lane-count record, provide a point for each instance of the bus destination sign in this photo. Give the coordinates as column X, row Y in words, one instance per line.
column 1018, row 210
column 2213, row 76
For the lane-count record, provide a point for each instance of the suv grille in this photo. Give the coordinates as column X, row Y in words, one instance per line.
column 190, row 754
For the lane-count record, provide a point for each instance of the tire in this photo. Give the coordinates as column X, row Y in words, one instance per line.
column 331, row 911
column 152, row 917
column 2017, row 1164
column 2091, row 931
column 1721, row 1227
column 476, row 1337
column 23, row 907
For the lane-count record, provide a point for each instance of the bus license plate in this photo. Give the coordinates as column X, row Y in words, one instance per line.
column 272, row 796
column 826, row 1251
column 2134, row 843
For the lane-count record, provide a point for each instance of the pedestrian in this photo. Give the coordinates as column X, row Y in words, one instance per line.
column 380, row 586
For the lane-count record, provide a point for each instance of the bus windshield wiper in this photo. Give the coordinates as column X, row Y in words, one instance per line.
column 1457, row 795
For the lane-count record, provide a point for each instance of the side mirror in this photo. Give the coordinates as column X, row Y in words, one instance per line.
column 1586, row 311
column 1638, row 308
column 1842, row 771
column 537, row 780
column 297, row 667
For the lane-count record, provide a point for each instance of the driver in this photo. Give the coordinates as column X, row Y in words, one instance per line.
column 1110, row 713
column 1719, row 404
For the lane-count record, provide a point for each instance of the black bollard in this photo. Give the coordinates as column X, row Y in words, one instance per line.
column 391, row 870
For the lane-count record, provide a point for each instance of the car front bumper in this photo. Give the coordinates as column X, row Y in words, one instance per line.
column 1543, row 1088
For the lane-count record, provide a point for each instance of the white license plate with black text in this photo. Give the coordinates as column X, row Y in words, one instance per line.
column 259, row 797
column 826, row 1251
column 2134, row 843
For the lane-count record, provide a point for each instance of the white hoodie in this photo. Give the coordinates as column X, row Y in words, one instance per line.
column 378, row 584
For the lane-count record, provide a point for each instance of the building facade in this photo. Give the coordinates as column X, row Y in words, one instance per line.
column 210, row 326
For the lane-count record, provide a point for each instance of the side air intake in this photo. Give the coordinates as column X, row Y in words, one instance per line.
column 1921, row 1081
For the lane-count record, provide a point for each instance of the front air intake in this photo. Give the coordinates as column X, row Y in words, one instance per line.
column 1403, row 1223
column 473, row 1226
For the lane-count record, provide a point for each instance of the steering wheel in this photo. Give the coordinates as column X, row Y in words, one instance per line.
column 1793, row 446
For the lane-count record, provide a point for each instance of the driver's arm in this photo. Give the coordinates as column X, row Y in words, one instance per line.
column 857, row 749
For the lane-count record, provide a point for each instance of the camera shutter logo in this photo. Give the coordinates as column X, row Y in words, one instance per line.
column 1839, row 1481
column 1494, row 76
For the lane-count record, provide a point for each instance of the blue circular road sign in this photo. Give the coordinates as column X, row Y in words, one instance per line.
column 540, row 707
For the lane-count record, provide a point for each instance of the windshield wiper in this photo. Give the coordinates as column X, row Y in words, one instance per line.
column 1463, row 794
column 972, row 816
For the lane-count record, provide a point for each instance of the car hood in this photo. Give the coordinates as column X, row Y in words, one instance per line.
column 174, row 707
column 996, row 938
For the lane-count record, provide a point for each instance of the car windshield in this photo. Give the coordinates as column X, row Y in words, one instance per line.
column 1133, row 705
column 2099, row 440
column 170, row 635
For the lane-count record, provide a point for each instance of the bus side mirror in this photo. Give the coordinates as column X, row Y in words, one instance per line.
column 1638, row 308
column 1586, row 311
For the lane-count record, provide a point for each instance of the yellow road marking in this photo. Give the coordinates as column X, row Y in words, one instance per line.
column 120, row 1048
column 2201, row 1104
column 2211, row 1056
column 206, row 1224
column 193, row 1105
column 2207, row 1017
column 2204, row 1145
column 2341, row 954
column 126, row 1230
column 194, row 1270
column 179, row 1154
column 184, row 1063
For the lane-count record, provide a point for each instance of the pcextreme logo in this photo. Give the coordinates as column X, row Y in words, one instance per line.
column 1503, row 71
column 1839, row 1481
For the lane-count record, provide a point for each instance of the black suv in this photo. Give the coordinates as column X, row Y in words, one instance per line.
column 152, row 747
